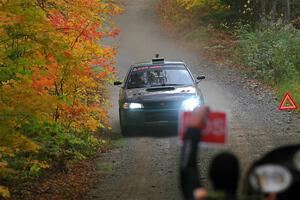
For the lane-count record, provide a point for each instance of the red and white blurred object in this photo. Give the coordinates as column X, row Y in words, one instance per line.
column 215, row 132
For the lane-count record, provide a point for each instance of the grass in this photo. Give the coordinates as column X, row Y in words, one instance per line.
column 119, row 143
column 115, row 140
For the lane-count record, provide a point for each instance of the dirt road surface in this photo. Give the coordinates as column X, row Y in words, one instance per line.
column 147, row 167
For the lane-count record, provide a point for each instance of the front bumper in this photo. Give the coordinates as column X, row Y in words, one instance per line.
column 149, row 117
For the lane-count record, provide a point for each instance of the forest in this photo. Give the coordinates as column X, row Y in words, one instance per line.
column 250, row 11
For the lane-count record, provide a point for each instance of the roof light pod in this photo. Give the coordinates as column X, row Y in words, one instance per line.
column 158, row 60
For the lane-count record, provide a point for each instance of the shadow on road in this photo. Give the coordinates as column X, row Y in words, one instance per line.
column 159, row 131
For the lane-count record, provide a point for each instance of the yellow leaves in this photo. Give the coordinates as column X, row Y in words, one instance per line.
column 83, row 117
column 4, row 192
column 40, row 164
column 188, row 4
column 117, row 9
column 58, row 72
column 16, row 142
column 3, row 165
column 93, row 140
column 17, row 93
column 86, row 82
column 9, row 18
column 92, row 124
column 204, row 5
column 103, row 141
column 8, row 151
column 9, row 145
column 20, row 141
column 4, row 169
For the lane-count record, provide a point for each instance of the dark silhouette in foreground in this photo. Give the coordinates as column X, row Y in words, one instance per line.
column 276, row 176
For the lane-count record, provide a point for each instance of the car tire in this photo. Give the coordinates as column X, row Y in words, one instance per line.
column 125, row 130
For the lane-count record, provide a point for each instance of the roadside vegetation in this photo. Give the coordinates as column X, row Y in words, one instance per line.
column 54, row 74
column 262, row 37
column 273, row 50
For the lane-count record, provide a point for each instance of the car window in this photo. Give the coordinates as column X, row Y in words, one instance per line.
column 151, row 76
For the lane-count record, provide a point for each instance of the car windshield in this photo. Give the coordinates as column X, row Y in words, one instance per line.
column 153, row 76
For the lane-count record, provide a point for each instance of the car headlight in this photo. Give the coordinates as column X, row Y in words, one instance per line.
column 133, row 106
column 190, row 104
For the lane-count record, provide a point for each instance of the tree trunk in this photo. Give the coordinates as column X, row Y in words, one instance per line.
column 273, row 10
column 288, row 10
column 262, row 10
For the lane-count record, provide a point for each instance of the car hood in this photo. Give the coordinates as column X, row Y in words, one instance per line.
column 160, row 93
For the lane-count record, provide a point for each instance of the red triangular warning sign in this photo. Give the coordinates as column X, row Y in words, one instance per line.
column 289, row 100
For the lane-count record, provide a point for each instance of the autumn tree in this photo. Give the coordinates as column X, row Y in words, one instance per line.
column 54, row 73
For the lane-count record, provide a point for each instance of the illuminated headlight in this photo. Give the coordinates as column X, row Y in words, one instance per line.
column 133, row 106
column 190, row 104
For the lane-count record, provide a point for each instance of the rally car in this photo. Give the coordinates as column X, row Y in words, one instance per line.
column 154, row 93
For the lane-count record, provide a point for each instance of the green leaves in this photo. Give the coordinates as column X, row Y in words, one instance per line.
column 272, row 51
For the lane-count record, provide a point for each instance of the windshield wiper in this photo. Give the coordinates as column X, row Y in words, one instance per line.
column 135, row 87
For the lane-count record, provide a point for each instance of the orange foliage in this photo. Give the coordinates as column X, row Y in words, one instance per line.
column 53, row 68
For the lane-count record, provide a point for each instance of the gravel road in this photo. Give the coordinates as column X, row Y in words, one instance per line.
column 147, row 167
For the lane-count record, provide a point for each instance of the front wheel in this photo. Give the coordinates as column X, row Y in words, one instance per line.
column 125, row 130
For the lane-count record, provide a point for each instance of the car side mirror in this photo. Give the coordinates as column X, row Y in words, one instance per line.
column 117, row 83
column 199, row 78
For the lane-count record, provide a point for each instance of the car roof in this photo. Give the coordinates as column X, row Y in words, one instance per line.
column 158, row 62
column 143, row 64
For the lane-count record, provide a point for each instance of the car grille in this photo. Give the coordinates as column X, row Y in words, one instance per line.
column 162, row 105
column 162, row 111
column 162, row 116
